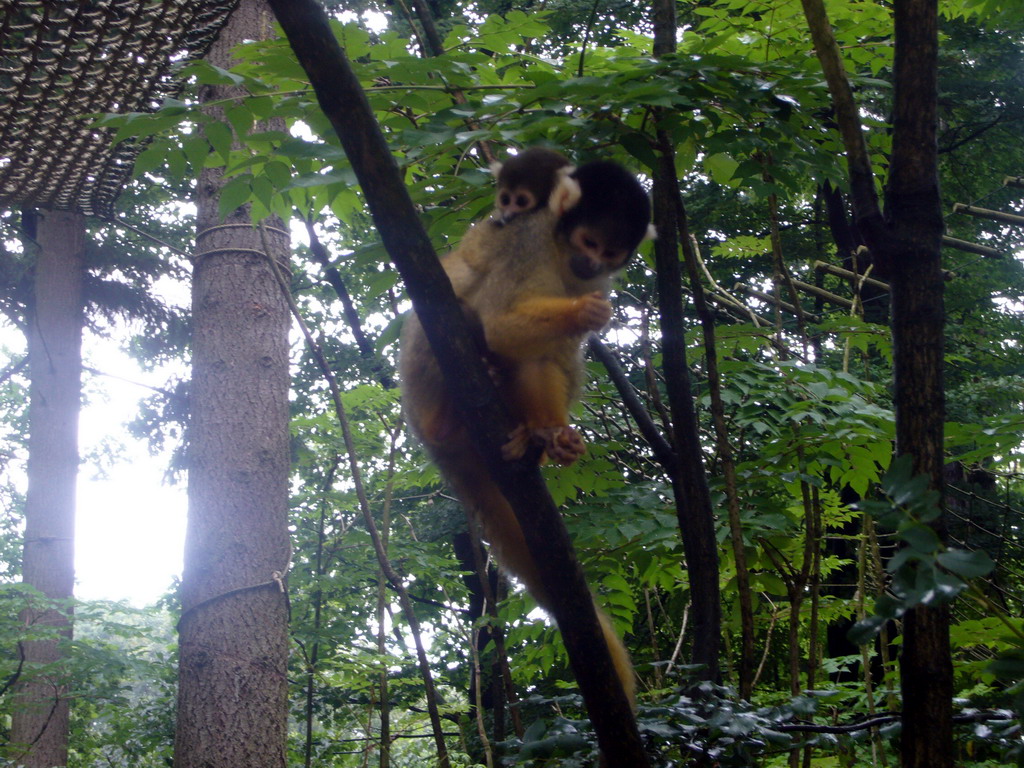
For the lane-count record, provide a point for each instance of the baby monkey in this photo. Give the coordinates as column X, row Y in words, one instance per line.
column 527, row 180
column 536, row 179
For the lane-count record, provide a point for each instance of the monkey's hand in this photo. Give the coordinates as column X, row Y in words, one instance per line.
column 594, row 311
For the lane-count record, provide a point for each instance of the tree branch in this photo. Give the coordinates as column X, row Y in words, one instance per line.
column 343, row 101
column 659, row 445
column 858, row 159
column 333, row 276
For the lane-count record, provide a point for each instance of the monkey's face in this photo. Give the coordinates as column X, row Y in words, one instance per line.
column 513, row 201
column 594, row 253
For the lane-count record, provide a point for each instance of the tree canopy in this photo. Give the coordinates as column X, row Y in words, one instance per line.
column 825, row 543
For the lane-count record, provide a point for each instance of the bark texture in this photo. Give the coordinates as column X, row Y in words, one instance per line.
column 689, row 479
column 39, row 728
column 232, row 698
column 905, row 243
column 913, row 211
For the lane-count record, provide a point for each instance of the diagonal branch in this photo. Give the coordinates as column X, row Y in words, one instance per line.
column 333, row 276
column 847, row 117
column 659, row 445
column 343, row 101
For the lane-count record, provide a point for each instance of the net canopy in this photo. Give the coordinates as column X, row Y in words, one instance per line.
column 64, row 60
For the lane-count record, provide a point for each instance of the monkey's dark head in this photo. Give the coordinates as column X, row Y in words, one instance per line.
column 612, row 217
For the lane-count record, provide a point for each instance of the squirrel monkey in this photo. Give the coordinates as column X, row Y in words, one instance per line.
column 595, row 237
column 527, row 180
column 537, row 285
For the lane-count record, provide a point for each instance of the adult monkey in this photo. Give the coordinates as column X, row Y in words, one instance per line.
column 537, row 286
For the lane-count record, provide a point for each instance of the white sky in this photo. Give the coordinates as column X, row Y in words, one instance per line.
column 130, row 525
column 131, row 531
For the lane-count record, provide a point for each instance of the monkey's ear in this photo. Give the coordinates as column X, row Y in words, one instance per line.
column 566, row 193
column 651, row 233
column 495, row 168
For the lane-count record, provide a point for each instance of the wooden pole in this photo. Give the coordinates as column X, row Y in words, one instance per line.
column 985, row 213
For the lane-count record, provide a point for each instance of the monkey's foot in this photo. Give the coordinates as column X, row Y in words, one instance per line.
column 563, row 444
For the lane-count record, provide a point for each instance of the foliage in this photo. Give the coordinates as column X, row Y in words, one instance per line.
column 119, row 670
column 14, row 399
column 708, row 723
column 807, row 406
column 924, row 571
column 123, row 708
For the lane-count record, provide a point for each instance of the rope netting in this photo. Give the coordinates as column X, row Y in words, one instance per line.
column 62, row 61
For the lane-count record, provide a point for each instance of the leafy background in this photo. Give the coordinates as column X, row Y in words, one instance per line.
column 808, row 407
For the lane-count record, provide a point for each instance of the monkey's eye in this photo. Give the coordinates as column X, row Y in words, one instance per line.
column 524, row 201
column 504, row 199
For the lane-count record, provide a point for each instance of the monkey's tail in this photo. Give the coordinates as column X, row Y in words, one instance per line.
column 486, row 504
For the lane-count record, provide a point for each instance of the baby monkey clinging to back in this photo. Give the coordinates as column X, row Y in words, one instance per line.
column 526, row 181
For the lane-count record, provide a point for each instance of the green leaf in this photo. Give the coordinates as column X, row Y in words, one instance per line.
column 241, row 119
column 234, row 195
column 920, row 538
column 177, row 163
column 196, row 149
column 969, row 565
column 721, row 167
column 207, row 74
column 640, row 147
column 1009, row 667
column 278, row 173
column 615, row 581
column 262, row 190
column 149, row 159
column 219, row 135
column 342, row 176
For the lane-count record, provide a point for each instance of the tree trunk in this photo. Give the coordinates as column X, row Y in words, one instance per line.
column 689, row 480
column 913, row 209
column 39, row 728
column 906, row 244
column 926, row 666
column 232, row 698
